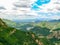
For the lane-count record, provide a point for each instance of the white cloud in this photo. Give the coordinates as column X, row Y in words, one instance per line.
column 50, row 7
column 19, row 15
column 27, row 13
column 8, row 4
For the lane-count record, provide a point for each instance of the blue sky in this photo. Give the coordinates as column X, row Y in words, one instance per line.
column 39, row 3
column 29, row 9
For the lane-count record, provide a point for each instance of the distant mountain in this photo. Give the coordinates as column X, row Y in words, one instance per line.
column 31, row 20
column 36, row 20
column 55, row 20
column 20, row 25
column 25, row 20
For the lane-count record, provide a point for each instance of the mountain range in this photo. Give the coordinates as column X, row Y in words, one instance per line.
column 37, row 20
column 12, row 36
column 28, row 33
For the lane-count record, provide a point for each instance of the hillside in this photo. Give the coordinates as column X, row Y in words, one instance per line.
column 42, row 33
column 12, row 36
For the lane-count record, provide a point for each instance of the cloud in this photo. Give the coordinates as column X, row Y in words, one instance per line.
column 8, row 4
column 35, row 6
column 19, row 15
column 2, row 8
column 21, row 4
column 52, row 6
column 28, row 15
column 18, row 10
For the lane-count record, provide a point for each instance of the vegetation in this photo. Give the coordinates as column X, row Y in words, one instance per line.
column 12, row 36
column 12, row 33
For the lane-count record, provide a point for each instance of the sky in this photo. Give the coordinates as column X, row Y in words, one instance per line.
column 29, row 9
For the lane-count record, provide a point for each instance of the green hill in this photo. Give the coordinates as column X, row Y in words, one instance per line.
column 32, row 34
column 12, row 36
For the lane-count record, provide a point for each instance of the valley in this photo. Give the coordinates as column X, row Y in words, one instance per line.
column 40, row 33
